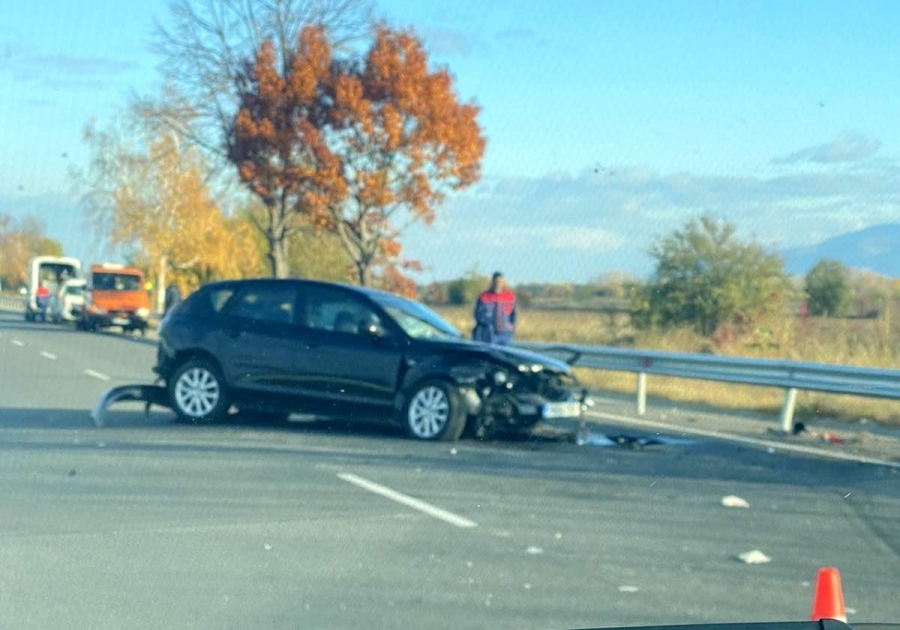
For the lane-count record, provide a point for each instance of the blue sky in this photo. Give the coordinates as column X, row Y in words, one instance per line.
column 608, row 123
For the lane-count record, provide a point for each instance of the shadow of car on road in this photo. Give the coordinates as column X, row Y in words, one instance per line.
column 529, row 456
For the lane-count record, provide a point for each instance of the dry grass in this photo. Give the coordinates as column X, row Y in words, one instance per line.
column 862, row 342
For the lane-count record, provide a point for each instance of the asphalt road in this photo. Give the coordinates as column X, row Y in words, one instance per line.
column 147, row 523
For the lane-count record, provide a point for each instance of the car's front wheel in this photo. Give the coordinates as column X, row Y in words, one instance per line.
column 198, row 393
column 434, row 412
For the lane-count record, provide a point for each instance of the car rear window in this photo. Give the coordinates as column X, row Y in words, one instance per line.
column 266, row 303
column 205, row 303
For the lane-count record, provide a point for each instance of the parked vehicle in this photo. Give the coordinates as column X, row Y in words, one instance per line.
column 52, row 272
column 67, row 303
column 278, row 346
column 115, row 296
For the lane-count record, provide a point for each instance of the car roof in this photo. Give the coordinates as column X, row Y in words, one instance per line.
column 369, row 291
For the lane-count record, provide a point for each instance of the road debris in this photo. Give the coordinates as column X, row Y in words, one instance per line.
column 732, row 501
column 754, row 557
column 628, row 588
column 586, row 437
column 534, row 550
column 834, row 438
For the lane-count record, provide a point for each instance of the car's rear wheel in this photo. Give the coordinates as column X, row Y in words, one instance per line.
column 434, row 412
column 198, row 393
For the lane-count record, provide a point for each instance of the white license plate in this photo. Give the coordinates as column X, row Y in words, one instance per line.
column 561, row 410
column 120, row 321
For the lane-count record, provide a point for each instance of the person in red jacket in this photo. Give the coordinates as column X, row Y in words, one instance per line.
column 495, row 313
column 42, row 297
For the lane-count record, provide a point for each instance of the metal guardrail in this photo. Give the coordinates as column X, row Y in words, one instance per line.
column 12, row 303
column 788, row 375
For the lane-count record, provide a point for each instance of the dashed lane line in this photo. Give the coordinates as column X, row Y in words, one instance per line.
column 408, row 501
column 100, row 376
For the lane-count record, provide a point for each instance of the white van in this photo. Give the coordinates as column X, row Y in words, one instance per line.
column 51, row 271
column 67, row 303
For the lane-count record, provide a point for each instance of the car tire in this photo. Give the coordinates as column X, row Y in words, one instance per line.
column 197, row 392
column 434, row 412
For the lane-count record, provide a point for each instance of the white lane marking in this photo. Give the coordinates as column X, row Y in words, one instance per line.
column 729, row 437
column 17, row 342
column 49, row 355
column 408, row 501
column 98, row 375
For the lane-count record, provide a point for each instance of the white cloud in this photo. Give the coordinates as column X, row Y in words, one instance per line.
column 448, row 42
column 560, row 228
column 847, row 147
column 27, row 63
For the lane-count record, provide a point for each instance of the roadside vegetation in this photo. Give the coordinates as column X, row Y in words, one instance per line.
column 869, row 342
column 714, row 293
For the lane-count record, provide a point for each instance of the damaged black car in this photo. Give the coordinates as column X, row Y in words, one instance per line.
column 280, row 346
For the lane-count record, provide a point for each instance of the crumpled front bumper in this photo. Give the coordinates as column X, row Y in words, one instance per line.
column 522, row 410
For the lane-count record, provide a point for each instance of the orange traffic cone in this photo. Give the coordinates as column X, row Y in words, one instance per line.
column 828, row 601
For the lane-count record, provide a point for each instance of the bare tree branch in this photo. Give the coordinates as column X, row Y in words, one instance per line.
column 204, row 44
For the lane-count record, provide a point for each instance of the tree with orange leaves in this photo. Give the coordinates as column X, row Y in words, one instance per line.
column 362, row 147
column 148, row 194
column 278, row 141
column 20, row 239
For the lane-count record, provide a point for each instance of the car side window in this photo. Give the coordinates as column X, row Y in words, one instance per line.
column 325, row 308
column 273, row 304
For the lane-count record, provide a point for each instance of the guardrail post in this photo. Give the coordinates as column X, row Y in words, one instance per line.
column 787, row 409
column 641, row 393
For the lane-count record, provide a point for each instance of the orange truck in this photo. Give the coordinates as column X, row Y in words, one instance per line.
column 115, row 295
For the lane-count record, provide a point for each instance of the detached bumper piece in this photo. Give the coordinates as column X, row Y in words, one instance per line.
column 148, row 394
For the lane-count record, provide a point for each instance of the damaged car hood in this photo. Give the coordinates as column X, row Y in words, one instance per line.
column 515, row 358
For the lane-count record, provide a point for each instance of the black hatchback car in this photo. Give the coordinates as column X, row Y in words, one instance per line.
column 280, row 346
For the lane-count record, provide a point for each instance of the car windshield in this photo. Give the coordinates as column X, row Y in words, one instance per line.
column 116, row 282
column 75, row 290
column 417, row 321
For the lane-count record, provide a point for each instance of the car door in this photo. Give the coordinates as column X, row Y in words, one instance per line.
column 259, row 338
column 353, row 357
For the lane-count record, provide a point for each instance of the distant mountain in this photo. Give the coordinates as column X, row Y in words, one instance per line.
column 876, row 248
